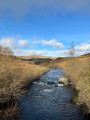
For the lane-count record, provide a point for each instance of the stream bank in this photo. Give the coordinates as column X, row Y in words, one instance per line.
column 46, row 101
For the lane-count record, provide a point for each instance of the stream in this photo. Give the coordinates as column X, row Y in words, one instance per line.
column 44, row 101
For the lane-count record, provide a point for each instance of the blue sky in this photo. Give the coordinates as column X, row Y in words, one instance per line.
column 45, row 27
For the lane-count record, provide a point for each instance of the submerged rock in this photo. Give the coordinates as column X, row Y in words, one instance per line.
column 50, row 82
column 56, row 85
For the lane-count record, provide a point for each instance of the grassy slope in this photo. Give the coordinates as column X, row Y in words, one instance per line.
column 78, row 71
column 15, row 75
column 35, row 56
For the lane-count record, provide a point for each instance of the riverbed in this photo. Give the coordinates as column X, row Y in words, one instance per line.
column 45, row 101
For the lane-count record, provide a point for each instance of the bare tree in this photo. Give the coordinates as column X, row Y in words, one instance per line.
column 6, row 51
column 1, row 49
column 71, row 50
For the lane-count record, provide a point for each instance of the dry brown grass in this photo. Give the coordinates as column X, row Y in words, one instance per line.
column 78, row 72
column 15, row 75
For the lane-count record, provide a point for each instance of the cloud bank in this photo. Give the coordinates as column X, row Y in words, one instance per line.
column 20, row 52
column 79, row 50
column 23, row 44
column 19, row 8
column 8, row 42
column 22, row 47
column 52, row 43
column 83, row 47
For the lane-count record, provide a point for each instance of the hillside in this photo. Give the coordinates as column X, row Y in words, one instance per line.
column 15, row 76
column 78, row 71
column 85, row 55
column 36, row 56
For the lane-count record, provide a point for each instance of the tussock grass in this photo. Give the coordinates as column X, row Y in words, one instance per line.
column 53, row 64
column 15, row 75
column 78, row 72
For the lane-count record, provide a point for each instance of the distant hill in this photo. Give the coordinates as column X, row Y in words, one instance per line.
column 37, row 59
column 61, row 59
column 36, row 56
column 85, row 55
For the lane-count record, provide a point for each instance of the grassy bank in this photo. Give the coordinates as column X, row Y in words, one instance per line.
column 78, row 72
column 15, row 75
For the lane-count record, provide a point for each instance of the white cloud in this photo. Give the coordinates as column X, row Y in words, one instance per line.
column 18, row 47
column 52, row 43
column 79, row 50
column 38, row 52
column 61, row 52
column 78, row 53
column 83, row 47
column 23, row 43
column 11, row 42
column 20, row 52
column 8, row 41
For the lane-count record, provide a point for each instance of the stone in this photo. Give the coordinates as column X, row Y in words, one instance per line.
column 63, row 80
column 50, row 82
column 56, row 85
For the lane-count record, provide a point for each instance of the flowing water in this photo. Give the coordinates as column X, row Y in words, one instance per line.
column 46, row 102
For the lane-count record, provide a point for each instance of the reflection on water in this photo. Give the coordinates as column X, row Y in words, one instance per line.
column 47, row 102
